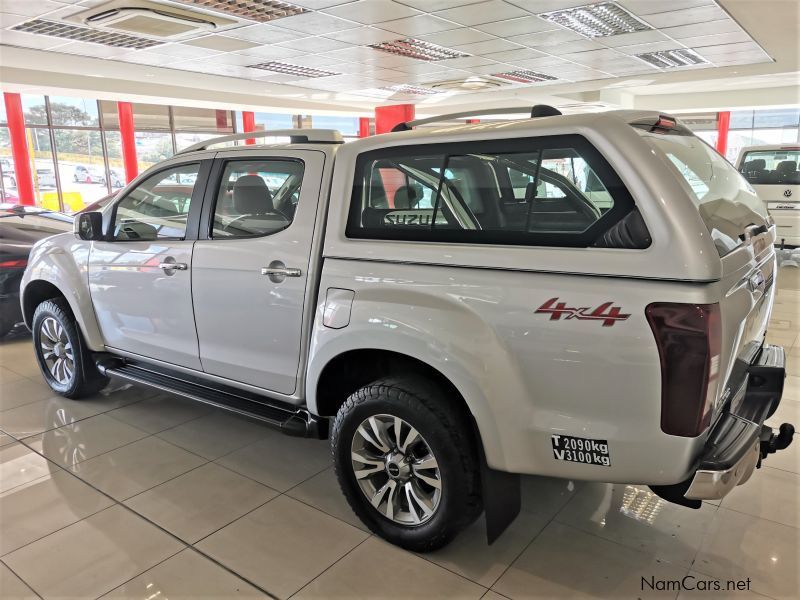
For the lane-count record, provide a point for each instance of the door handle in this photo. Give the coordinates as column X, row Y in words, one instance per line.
column 173, row 266
column 284, row 271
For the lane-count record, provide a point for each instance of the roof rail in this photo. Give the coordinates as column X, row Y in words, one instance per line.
column 296, row 136
column 540, row 110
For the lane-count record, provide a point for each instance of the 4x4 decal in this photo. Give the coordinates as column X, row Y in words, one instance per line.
column 606, row 313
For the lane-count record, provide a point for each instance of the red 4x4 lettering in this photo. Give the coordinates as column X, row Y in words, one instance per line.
column 606, row 312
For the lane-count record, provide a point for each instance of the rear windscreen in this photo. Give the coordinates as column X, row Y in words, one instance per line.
column 771, row 167
column 725, row 201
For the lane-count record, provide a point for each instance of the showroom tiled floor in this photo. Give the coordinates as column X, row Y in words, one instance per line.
column 135, row 494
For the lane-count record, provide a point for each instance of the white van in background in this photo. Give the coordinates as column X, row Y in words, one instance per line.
column 773, row 173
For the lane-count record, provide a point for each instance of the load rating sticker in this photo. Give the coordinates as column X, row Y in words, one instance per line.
column 581, row 450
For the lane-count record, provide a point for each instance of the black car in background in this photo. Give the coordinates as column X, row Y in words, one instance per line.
column 20, row 228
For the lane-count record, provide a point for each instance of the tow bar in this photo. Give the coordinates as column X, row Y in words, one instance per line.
column 769, row 443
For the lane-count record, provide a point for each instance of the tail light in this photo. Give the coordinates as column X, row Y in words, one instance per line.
column 689, row 342
column 19, row 263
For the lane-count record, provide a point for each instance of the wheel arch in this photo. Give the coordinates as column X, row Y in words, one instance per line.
column 342, row 374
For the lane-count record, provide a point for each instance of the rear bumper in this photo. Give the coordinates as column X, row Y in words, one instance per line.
column 740, row 440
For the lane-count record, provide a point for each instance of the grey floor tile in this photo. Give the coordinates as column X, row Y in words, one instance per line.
column 635, row 517
column 44, row 415
column 774, row 497
column 137, row 467
column 21, row 391
column 547, row 495
column 201, row 501
column 84, row 439
column 322, row 491
column 38, row 508
column 378, row 569
column 12, row 587
column 278, row 460
column 215, row 435
column 563, row 562
column 93, row 556
column 188, row 576
column 161, row 412
column 19, row 465
column 282, row 545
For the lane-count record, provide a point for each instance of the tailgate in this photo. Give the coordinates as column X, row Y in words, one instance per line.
column 746, row 296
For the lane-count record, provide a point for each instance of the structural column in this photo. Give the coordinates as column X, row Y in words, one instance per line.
column 249, row 124
column 387, row 117
column 127, row 133
column 363, row 127
column 19, row 148
column 723, row 125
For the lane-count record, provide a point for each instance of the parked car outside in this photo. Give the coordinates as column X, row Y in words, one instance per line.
column 451, row 307
column 773, row 173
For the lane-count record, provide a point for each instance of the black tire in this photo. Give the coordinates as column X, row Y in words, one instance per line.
column 85, row 379
column 445, row 432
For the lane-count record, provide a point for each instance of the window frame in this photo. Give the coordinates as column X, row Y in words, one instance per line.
column 623, row 200
column 206, row 224
column 195, row 203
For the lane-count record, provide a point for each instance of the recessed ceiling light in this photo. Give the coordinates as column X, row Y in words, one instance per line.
column 411, row 89
column 85, row 34
column 668, row 59
column 413, row 48
column 254, row 10
column 289, row 69
column 523, row 76
column 597, row 20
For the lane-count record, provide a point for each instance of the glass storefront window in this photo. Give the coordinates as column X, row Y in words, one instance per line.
column 184, row 140
column 204, row 119
column 152, row 147
column 7, row 192
column 741, row 119
column 73, row 112
column 34, row 110
column 779, row 117
column 346, row 125
column 44, row 173
column 81, row 167
column 150, row 116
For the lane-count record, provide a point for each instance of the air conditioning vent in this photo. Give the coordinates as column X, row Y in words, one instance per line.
column 254, row 10
column 470, row 84
column 668, row 59
column 85, row 34
column 141, row 17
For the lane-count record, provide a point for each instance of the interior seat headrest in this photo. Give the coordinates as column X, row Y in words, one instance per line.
column 251, row 196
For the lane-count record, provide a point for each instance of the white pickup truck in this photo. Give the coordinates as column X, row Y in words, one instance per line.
column 580, row 296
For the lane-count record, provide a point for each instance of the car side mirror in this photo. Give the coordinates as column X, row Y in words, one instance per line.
column 89, row 226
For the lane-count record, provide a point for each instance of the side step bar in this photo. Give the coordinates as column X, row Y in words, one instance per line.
column 286, row 417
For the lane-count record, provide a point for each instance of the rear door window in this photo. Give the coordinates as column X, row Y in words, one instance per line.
column 726, row 202
column 555, row 191
column 771, row 167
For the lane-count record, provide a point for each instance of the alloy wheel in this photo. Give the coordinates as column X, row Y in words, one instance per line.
column 57, row 351
column 396, row 470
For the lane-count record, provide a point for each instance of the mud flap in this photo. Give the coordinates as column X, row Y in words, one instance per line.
column 502, row 499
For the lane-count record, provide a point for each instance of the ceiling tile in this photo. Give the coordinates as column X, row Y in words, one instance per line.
column 673, row 18
column 419, row 25
column 653, row 47
column 86, row 49
column 319, row 4
column 28, row 40
column 363, row 36
column 709, row 28
column 267, row 53
column 466, row 62
column 29, row 8
column 485, row 12
column 263, row 34
column 422, row 68
column 729, row 48
column 222, row 43
column 742, row 61
column 547, row 38
column 369, row 12
column 543, row 6
column 314, row 44
column 577, row 46
column 356, row 54
column 631, row 39
column 456, row 37
column 189, row 52
column 434, row 5
column 514, row 56
column 715, row 40
column 595, row 58
column 490, row 46
column 314, row 23
column 315, row 61
column 493, row 68
column 545, row 62
column 649, row 7
column 7, row 20
column 519, row 26
column 145, row 57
